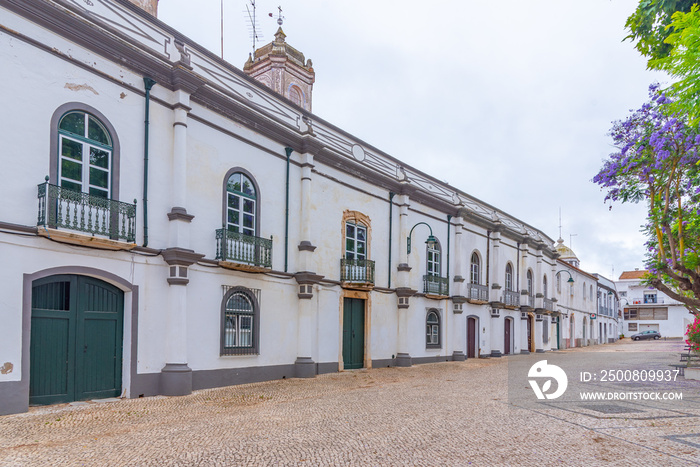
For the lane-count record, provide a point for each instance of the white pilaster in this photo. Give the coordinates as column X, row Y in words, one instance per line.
column 496, row 275
column 306, row 247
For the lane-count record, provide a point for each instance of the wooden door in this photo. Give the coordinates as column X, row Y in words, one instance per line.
column 507, row 332
column 353, row 333
column 471, row 337
column 76, row 340
column 529, row 334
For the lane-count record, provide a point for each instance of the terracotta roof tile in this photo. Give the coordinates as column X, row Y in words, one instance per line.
column 633, row 274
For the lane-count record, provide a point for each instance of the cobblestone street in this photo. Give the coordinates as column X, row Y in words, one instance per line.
column 453, row 413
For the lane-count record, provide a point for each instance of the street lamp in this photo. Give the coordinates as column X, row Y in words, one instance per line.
column 571, row 279
column 431, row 241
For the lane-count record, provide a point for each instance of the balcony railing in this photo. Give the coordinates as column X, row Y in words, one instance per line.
column 435, row 285
column 511, row 298
column 530, row 301
column 245, row 249
column 478, row 292
column 548, row 304
column 357, row 270
column 62, row 208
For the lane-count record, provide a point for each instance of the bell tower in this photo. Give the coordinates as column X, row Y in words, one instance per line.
column 149, row 6
column 283, row 69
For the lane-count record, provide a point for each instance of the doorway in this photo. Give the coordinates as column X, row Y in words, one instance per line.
column 507, row 335
column 353, row 333
column 472, row 337
column 76, row 340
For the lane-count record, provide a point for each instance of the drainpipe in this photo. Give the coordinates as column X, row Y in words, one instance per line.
column 449, row 218
column 148, row 83
column 488, row 255
column 391, row 212
column 289, row 151
column 517, row 270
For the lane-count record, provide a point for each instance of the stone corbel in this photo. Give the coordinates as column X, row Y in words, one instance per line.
column 179, row 259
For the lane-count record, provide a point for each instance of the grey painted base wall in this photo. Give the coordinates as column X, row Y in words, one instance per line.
column 14, row 397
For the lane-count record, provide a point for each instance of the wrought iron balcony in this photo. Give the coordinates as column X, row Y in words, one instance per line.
column 478, row 292
column 244, row 249
column 548, row 304
column 511, row 298
column 435, row 285
column 359, row 271
column 63, row 208
column 530, row 300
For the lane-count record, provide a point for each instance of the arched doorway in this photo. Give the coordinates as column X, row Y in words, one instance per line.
column 531, row 332
column 472, row 337
column 508, row 336
column 585, row 336
column 76, row 339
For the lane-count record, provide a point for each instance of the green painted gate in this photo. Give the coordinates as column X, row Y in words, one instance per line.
column 353, row 333
column 76, row 340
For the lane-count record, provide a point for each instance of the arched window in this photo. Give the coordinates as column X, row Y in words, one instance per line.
column 475, row 269
column 295, row 95
column 558, row 283
column 584, row 291
column 529, row 282
column 241, row 199
column 432, row 324
column 544, row 286
column 433, row 259
column 84, row 154
column 356, row 264
column 239, row 322
column 591, row 292
column 509, row 277
column 355, row 240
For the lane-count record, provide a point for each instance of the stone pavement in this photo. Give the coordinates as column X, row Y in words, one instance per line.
column 453, row 413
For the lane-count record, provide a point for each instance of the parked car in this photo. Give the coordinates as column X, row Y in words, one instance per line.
column 646, row 335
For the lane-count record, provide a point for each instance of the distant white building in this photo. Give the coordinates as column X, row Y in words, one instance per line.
column 587, row 305
column 646, row 308
column 609, row 316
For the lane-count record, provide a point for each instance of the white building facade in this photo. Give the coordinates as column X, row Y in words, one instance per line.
column 177, row 225
column 646, row 308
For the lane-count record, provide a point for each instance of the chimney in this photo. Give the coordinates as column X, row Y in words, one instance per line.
column 149, row 6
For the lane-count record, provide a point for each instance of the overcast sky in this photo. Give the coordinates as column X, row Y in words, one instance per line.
column 509, row 101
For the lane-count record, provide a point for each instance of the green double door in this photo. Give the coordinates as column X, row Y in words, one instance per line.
column 353, row 333
column 76, row 340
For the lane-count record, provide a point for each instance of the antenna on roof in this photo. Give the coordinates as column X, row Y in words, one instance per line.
column 559, row 221
column 253, row 26
column 222, row 29
column 280, row 18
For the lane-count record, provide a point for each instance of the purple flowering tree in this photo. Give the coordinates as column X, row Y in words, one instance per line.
column 656, row 162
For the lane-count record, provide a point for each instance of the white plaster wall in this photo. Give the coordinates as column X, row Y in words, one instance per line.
column 27, row 68
column 384, row 326
column 278, row 320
